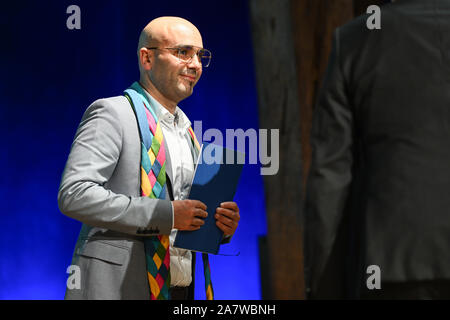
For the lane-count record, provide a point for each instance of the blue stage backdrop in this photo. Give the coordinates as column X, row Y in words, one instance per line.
column 50, row 74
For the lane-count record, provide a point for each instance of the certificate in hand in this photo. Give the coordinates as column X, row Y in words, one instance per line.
column 215, row 181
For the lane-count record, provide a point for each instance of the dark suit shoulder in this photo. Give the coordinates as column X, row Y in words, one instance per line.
column 355, row 34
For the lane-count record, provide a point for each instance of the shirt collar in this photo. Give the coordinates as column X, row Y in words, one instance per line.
column 179, row 116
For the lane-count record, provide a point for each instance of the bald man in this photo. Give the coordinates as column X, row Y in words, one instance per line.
column 102, row 185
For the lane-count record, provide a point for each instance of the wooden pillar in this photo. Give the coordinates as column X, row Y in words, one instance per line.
column 279, row 109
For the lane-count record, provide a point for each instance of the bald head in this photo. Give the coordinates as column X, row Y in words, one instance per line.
column 165, row 31
column 163, row 74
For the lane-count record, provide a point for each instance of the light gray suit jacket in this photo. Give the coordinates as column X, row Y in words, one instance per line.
column 100, row 187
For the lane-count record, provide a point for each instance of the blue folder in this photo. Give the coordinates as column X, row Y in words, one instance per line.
column 215, row 181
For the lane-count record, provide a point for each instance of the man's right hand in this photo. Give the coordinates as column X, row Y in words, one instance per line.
column 188, row 214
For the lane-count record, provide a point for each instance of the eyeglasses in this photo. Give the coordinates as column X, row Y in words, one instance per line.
column 186, row 53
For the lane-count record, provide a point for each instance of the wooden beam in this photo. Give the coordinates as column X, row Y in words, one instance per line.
column 276, row 80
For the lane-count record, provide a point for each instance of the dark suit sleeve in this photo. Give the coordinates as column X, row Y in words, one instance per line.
column 329, row 183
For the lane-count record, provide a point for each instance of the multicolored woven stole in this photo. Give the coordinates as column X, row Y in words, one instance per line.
column 153, row 185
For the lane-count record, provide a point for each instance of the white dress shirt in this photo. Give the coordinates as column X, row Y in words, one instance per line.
column 175, row 130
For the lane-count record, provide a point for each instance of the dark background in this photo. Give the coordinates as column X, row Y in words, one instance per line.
column 49, row 75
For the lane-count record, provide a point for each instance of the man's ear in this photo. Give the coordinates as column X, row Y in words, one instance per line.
column 146, row 58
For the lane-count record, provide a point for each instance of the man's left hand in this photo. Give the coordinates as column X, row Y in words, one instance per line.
column 227, row 216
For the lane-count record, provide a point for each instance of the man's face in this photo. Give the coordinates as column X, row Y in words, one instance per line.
column 173, row 78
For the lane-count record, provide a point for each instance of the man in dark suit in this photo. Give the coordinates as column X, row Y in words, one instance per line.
column 377, row 214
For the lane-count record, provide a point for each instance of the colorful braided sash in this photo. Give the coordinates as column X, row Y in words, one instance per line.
column 153, row 185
